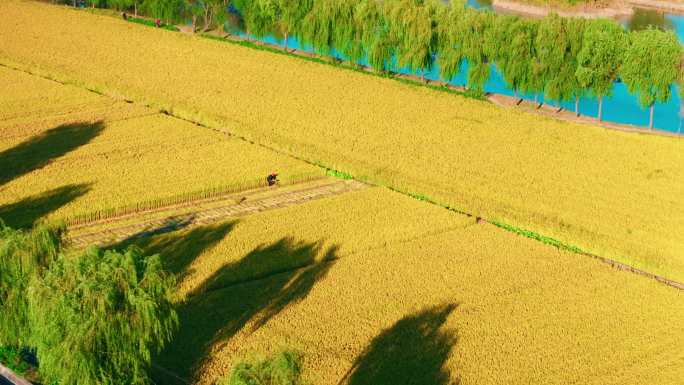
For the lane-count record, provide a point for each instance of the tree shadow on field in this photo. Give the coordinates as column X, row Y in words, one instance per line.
column 251, row 291
column 180, row 248
column 26, row 212
column 38, row 151
column 413, row 351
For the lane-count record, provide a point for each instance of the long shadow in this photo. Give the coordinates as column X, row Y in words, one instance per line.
column 26, row 212
column 180, row 248
column 38, row 151
column 249, row 292
column 412, row 351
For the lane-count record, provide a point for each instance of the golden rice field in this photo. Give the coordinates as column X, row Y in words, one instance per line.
column 65, row 151
column 411, row 293
column 611, row 193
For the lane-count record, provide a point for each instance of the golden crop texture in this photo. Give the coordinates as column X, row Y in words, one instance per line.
column 407, row 292
column 611, row 193
column 65, row 151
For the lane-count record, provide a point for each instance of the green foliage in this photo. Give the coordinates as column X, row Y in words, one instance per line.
column 650, row 65
column 97, row 317
column 516, row 57
column 412, row 27
column 151, row 24
column 477, row 49
column 563, row 58
column 600, row 58
column 24, row 257
column 284, row 368
column 13, row 359
column 167, row 10
column 449, row 33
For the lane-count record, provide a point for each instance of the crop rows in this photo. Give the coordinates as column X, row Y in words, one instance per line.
column 609, row 193
column 410, row 292
column 79, row 157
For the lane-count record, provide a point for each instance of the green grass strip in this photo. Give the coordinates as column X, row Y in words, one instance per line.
column 150, row 23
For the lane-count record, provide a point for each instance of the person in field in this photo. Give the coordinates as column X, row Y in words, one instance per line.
column 125, row 17
column 157, row 22
column 272, row 178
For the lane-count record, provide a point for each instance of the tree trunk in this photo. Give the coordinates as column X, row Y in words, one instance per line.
column 194, row 23
column 286, row 41
column 206, row 19
column 536, row 101
column 650, row 121
column 135, row 8
column 577, row 106
column 422, row 75
column 600, row 111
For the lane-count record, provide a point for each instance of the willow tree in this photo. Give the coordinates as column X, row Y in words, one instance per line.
column 318, row 26
column 374, row 31
column 650, row 66
column 517, row 61
column 290, row 16
column 557, row 44
column 24, row 257
column 259, row 16
column 413, row 27
column 347, row 32
column 99, row 316
column 477, row 48
column 600, row 58
column 167, row 10
column 450, row 53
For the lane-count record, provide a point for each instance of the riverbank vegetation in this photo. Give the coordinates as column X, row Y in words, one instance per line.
column 604, row 192
column 419, row 34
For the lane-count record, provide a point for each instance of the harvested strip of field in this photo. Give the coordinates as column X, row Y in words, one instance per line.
column 220, row 210
column 378, row 288
column 610, row 193
column 71, row 153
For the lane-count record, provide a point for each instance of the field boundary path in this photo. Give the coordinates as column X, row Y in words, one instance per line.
column 140, row 225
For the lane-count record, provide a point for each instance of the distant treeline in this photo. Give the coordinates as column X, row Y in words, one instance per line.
column 561, row 58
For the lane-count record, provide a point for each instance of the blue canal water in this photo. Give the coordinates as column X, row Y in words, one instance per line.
column 620, row 107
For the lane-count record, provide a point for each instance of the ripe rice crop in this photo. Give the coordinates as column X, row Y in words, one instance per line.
column 611, row 193
column 410, row 292
column 67, row 153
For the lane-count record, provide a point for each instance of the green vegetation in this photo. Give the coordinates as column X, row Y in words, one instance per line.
column 284, row 368
column 600, row 58
column 650, row 72
column 98, row 318
column 13, row 359
column 561, row 58
column 24, row 257
column 92, row 318
column 151, row 24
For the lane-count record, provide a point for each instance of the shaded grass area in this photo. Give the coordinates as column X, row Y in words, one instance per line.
column 41, row 149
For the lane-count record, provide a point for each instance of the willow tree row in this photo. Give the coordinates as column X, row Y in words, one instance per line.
column 561, row 58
